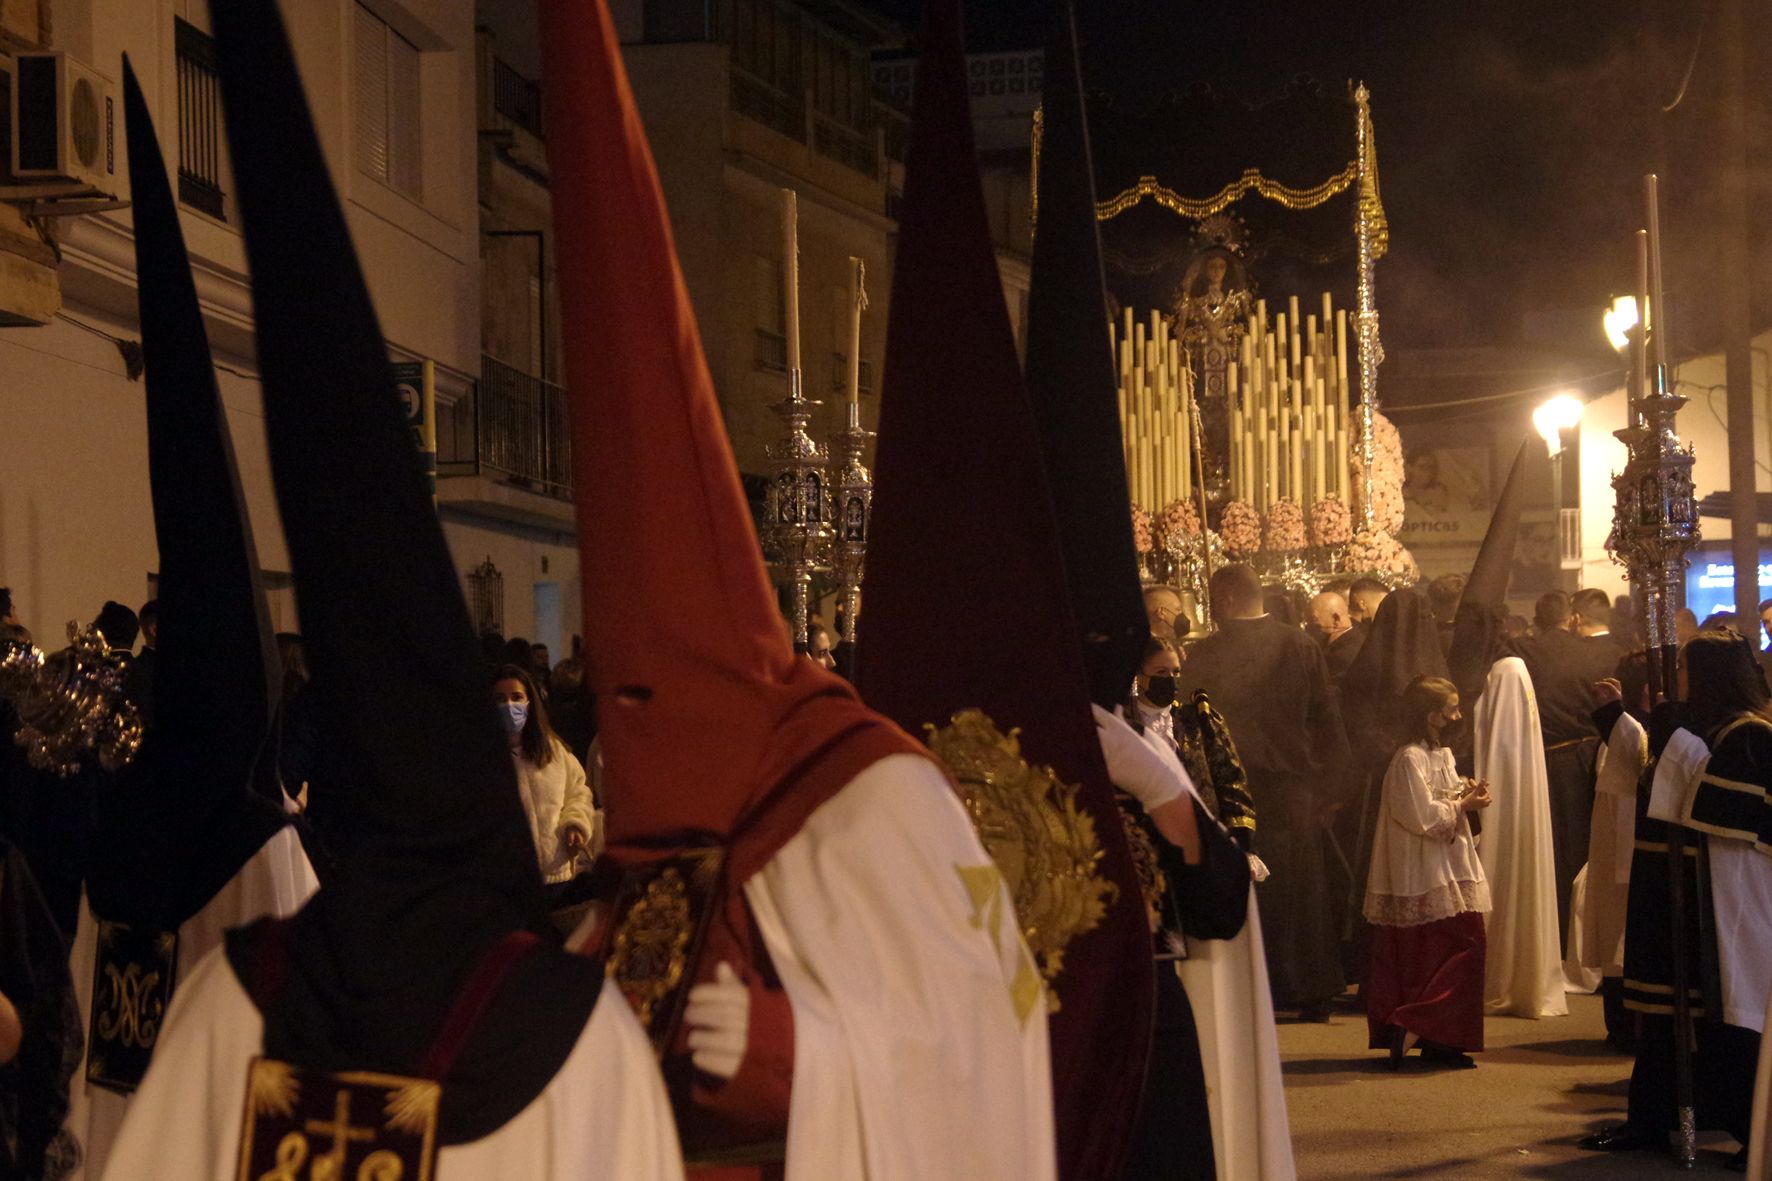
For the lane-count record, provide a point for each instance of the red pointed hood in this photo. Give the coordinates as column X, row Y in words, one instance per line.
column 710, row 725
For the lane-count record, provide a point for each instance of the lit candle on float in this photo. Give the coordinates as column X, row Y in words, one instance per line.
column 790, row 273
column 858, row 300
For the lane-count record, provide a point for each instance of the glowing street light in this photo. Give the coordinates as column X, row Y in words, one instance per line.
column 1555, row 416
column 1619, row 319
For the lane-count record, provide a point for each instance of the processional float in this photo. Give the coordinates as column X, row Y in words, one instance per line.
column 1251, row 426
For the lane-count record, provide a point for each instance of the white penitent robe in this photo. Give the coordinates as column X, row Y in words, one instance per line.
column 1523, row 968
column 604, row 1115
column 1227, row 988
column 1596, row 926
column 274, row 882
column 1759, row 1158
column 919, row 1021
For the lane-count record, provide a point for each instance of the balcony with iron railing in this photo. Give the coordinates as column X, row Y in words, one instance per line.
column 860, row 150
column 516, row 98
column 513, row 428
column 199, row 120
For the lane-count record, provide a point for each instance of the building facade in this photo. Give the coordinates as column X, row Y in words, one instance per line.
column 400, row 103
column 740, row 99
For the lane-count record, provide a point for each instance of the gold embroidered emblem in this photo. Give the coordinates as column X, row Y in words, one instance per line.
column 306, row 1125
column 660, row 915
column 132, row 980
column 1153, row 883
column 984, row 887
column 1042, row 842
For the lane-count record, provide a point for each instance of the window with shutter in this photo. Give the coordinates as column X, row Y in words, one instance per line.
column 386, row 81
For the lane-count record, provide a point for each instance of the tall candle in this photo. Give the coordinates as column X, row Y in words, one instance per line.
column 858, row 299
column 790, row 274
column 1341, row 385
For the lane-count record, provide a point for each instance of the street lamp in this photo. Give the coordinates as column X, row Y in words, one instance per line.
column 1619, row 319
column 1555, row 416
column 1552, row 418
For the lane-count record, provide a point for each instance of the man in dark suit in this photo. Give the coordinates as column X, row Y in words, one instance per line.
column 1270, row 683
column 1331, row 624
column 1564, row 666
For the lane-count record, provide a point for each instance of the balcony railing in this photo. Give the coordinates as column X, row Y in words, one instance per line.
column 840, row 375
column 769, row 351
column 845, row 145
column 199, row 120
column 775, row 109
column 516, row 427
column 516, row 98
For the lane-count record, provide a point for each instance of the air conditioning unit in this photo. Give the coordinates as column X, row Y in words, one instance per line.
column 67, row 129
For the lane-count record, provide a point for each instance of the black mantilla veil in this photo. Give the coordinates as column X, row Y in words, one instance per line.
column 1072, row 386
column 179, row 822
column 1403, row 644
column 444, row 868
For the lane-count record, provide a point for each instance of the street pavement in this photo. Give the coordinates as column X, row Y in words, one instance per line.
column 1538, row 1087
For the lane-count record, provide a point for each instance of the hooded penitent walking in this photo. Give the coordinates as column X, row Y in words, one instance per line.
column 414, row 1018
column 851, row 997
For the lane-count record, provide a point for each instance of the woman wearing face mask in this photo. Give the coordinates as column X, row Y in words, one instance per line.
column 1200, row 737
column 562, row 817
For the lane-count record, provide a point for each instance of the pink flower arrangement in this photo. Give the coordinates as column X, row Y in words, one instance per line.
column 1143, row 538
column 1180, row 518
column 1240, row 529
column 1330, row 522
column 1285, row 527
column 1387, row 475
column 1383, row 555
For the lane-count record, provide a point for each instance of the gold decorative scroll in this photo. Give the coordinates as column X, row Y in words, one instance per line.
column 1252, row 181
column 1029, row 822
column 1371, row 208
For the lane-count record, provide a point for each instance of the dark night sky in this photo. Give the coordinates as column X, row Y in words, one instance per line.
column 1512, row 138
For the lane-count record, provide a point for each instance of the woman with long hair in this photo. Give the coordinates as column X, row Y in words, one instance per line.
column 562, row 817
column 1426, row 893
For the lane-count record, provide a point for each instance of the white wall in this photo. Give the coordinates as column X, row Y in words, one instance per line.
column 1702, row 423
column 76, row 523
column 525, row 558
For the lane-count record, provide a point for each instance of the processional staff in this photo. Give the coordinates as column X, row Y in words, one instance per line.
column 1655, row 524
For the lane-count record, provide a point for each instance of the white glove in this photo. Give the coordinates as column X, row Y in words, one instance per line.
column 719, row 1017
column 1257, row 867
column 1134, row 767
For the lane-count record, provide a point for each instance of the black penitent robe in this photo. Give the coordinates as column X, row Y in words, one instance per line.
column 1564, row 668
column 1173, row 1141
column 1726, row 1055
column 1269, row 682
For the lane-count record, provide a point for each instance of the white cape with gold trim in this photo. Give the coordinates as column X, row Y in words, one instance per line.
column 604, row 1115
column 919, row 1022
column 274, row 882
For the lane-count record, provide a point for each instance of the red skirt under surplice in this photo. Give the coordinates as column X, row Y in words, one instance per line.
column 1429, row 980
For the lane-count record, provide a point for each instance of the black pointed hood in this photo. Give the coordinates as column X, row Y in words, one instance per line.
column 444, row 866
column 1477, row 629
column 177, row 824
column 1071, row 383
column 963, row 529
